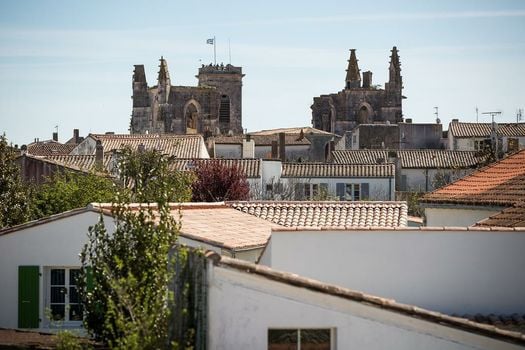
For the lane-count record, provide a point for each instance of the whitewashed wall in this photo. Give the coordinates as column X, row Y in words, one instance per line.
column 452, row 271
column 242, row 307
column 458, row 216
column 425, row 179
column 56, row 243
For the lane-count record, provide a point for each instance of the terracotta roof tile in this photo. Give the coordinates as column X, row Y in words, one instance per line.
column 337, row 170
column 49, row 148
column 417, row 158
column 180, row 146
column 501, row 183
column 513, row 322
column 327, row 214
column 460, row 129
column 82, row 162
column 225, row 227
column 510, row 217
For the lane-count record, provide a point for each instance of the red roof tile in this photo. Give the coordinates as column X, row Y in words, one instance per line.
column 501, row 183
column 510, row 217
column 49, row 148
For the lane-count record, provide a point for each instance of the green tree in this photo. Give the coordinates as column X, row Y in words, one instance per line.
column 15, row 204
column 66, row 190
column 129, row 304
column 148, row 178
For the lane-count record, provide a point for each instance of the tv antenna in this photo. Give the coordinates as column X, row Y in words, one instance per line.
column 492, row 114
column 438, row 121
column 519, row 115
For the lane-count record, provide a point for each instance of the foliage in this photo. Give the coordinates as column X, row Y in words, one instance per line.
column 66, row 190
column 66, row 340
column 129, row 304
column 412, row 199
column 147, row 177
column 15, row 207
column 217, row 182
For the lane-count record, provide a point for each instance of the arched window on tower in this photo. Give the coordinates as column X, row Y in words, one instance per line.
column 224, row 113
column 363, row 115
column 191, row 119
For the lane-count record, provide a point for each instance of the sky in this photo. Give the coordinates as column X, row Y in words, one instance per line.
column 68, row 64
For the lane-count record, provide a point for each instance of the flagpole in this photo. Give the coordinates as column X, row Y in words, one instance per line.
column 214, row 51
column 229, row 51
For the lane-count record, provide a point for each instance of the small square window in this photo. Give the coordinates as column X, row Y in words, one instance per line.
column 300, row 339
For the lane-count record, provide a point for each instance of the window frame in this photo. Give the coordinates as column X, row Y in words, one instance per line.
column 332, row 331
column 67, row 303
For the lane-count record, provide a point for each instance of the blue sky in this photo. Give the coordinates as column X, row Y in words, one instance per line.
column 70, row 63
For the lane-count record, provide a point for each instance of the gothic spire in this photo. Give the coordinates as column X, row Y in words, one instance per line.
column 164, row 75
column 353, row 76
column 395, row 68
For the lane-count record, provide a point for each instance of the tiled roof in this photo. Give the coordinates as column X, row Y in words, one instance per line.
column 327, row 214
column 514, row 322
column 288, row 278
column 180, row 146
column 460, row 129
column 223, row 226
column 49, row 148
column 80, row 162
column 501, row 183
column 261, row 140
column 417, row 158
column 510, row 217
column 251, row 167
column 337, row 170
column 306, row 130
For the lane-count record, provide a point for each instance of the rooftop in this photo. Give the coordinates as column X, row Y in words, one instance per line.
column 510, row 217
column 261, row 140
column 310, row 170
column 327, row 214
column 501, row 184
column 49, row 148
column 180, row 146
column 250, row 167
column 416, row 158
column 306, row 130
column 461, row 129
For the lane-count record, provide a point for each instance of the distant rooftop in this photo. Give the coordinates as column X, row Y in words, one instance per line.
column 462, row 129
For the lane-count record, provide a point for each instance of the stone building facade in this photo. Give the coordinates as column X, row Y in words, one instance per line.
column 214, row 107
column 360, row 102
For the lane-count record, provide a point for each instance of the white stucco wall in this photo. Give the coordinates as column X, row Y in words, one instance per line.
column 56, row 243
column 451, row 271
column 228, row 151
column 243, row 306
column 458, row 216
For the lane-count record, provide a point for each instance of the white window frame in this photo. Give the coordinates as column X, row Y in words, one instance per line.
column 351, row 190
column 47, row 297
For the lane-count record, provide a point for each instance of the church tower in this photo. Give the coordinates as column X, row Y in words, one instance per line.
column 227, row 79
column 353, row 75
column 394, row 88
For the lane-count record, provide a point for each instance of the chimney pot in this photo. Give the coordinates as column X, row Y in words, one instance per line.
column 55, row 136
column 99, row 154
column 282, row 146
column 76, row 136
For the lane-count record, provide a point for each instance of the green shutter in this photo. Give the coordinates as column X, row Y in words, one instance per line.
column 28, row 296
column 365, row 192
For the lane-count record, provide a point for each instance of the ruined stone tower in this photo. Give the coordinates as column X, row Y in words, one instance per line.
column 213, row 107
column 360, row 102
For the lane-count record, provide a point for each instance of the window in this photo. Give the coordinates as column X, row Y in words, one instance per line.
column 297, row 339
column 311, row 191
column 63, row 300
column 353, row 192
column 224, row 111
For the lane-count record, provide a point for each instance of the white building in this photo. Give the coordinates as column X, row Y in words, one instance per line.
column 419, row 170
column 451, row 270
column 475, row 136
column 255, row 307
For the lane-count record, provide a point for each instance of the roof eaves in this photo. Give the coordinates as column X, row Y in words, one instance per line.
column 388, row 304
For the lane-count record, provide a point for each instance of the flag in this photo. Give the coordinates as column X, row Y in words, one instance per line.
column 210, row 41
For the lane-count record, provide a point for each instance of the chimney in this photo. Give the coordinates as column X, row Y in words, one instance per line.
column 282, row 146
column 455, row 120
column 408, row 120
column 55, row 136
column 99, row 154
column 367, row 79
column 76, row 136
column 330, row 148
column 248, row 148
column 275, row 152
